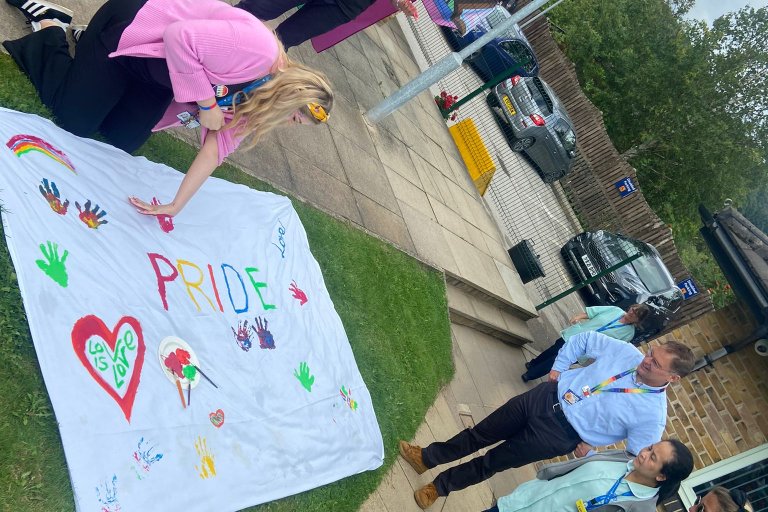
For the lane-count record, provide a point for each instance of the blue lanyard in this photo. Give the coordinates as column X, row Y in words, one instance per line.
column 611, row 325
column 231, row 99
column 610, row 496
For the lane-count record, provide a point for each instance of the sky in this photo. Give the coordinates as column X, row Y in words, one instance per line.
column 708, row 10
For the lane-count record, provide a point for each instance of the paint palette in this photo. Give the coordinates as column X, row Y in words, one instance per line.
column 176, row 353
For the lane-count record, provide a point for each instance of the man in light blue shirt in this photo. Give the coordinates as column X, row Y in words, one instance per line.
column 620, row 396
column 604, row 416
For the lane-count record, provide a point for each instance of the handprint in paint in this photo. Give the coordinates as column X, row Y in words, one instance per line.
column 53, row 265
column 207, row 468
column 165, row 221
column 297, row 293
column 51, row 194
column 107, row 495
column 265, row 337
column 242, row 336
column 93, row 218
column 144, row 458
column 304, row 377
column 346, row 395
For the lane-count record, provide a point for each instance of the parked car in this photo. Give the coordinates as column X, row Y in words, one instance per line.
column 511, row 50
column 535, row 124
column 645, row 280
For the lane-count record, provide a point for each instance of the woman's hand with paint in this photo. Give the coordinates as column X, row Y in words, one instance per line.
column 153, row 208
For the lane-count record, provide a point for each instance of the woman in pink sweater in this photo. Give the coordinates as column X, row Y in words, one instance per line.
column 147, row 65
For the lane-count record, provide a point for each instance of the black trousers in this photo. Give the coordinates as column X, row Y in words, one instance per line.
column 314, row 18
column 93, row 93
column 542, row 364
column 529, row 427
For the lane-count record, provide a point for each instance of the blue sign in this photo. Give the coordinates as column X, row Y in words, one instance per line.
column 625, row 187
column 689, row 288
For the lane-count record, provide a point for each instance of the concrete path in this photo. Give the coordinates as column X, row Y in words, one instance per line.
column 404, row 181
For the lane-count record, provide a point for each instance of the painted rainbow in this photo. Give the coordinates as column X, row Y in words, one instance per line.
column 22, row 144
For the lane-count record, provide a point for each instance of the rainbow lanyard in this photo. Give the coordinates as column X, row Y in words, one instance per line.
column 599, row 388
column 611, row 325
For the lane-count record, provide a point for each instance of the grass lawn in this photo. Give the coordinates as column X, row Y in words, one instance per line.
column 392, row 306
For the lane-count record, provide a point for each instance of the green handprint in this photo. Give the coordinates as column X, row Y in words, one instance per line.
column 304, row 377
column 53, row 266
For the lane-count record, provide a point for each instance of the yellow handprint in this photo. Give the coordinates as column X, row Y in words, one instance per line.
column 206, row 459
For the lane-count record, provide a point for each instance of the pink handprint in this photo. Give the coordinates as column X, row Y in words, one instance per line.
column 51, row 194
column 297, row 293
column 165, row 221
column 242, row 336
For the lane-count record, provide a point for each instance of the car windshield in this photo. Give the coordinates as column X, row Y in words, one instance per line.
column 519, row 53
column 566, row 135
column 654, row 277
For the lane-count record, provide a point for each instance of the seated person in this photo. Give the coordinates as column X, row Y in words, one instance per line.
column 609, row 320
column 611, row 480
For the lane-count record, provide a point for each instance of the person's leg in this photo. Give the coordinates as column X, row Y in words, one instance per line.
column 129, row 124
column 542, row 437
column 542, row 364
column 44, row 57
column 268, row 9
column 313, row 19
column 501, row 424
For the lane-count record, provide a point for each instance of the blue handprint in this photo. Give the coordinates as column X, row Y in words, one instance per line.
column 51, row 194
column 265, row 337
column 91, row 218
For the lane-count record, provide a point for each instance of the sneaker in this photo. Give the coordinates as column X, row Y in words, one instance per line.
column 38, row 10
column 426, row 496
column 412, row 455
column 37, row 25
column 77, row 32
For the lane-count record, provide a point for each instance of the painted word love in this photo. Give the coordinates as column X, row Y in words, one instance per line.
column 193, row 278
column 280, row 240
column 113, row 357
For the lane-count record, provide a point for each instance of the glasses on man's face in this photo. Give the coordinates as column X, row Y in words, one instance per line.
column 656, row 365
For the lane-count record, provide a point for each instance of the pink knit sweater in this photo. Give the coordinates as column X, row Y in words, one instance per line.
column 204, row 42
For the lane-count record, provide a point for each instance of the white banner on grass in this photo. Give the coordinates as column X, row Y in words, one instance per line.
column 126, row 311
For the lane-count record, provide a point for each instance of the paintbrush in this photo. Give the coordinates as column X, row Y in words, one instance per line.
column 189, row 393
column 181, row 393
column 205, row 376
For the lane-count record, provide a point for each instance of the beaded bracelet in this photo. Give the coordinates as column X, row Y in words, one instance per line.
column 207, row 108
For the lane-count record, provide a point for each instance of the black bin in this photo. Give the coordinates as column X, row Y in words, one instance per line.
column 526, row 261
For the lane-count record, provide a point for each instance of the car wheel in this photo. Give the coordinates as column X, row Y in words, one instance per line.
column 492, row 101
column 519, row 145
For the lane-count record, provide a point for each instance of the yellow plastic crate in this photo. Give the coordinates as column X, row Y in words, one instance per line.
column 475, row 154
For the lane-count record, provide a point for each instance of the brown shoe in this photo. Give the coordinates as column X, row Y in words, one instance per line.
column 426, row 496
column 412, row 455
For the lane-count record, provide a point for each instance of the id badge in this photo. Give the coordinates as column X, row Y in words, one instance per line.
column 570, row 397
column 188, row 120
column 580, row 507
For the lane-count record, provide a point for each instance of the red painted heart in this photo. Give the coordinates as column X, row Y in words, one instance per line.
column 113, row 361
column 217, row 418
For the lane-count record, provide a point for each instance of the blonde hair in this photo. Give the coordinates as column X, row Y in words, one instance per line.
column 291, row 88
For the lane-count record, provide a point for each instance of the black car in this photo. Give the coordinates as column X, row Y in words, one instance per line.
column 644, row 280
